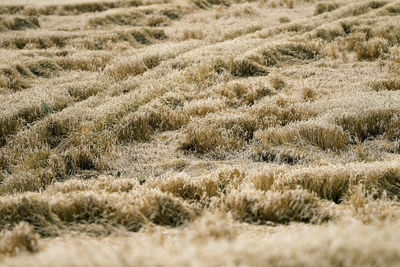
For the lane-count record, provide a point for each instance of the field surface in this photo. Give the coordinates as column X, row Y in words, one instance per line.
column 199, row 133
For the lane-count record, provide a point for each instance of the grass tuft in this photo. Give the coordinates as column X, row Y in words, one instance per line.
column 259, row 207
column 372, row 49
column 21, row 238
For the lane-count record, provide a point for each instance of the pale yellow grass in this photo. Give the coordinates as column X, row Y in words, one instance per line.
column 199, row 133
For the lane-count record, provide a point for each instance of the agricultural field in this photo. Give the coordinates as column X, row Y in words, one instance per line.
column 199, row 133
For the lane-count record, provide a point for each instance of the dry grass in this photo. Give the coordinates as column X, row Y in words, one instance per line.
column 280, row 207
column 199, row 133
column 21, row 238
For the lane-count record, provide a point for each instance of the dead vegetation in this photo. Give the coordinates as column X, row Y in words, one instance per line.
column 18, row 23
column 280, row 207
column 91, row 40
column 249, row 132
column 51, row 218
column 21, row 238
